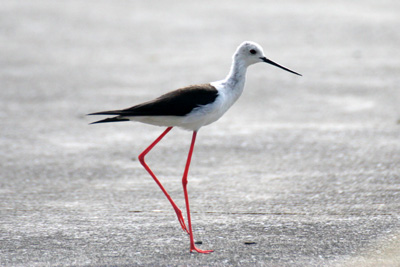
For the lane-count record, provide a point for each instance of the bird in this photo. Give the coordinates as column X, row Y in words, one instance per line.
column 191, row 108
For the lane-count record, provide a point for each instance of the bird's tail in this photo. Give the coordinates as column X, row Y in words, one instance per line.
column 114, row 119
column 111, row 112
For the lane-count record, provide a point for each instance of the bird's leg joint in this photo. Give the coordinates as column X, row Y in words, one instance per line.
column 184, row 182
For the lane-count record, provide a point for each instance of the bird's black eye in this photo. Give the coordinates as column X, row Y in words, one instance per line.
column 252, row 51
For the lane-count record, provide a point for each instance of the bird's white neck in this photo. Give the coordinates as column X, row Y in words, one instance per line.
column 231, row 88
column 237, row 75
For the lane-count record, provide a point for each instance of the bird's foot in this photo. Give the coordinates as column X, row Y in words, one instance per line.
column 193, row 247
column 181, row 220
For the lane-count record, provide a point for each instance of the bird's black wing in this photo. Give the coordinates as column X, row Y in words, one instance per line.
column 175, row 103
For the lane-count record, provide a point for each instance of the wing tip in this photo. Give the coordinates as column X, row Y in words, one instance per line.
column 114, row 119
column 110, row 112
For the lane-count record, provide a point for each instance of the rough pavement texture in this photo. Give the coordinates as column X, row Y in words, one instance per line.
column 305, row 169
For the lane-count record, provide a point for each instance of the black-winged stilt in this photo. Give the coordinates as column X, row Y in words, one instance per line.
column 191, row 108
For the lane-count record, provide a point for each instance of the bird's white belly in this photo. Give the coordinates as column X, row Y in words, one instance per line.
column 204, row 115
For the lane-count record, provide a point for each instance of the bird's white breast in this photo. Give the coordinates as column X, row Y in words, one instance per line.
column 207, row 114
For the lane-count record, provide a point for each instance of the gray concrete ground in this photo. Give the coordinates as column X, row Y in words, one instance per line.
column 305, row 168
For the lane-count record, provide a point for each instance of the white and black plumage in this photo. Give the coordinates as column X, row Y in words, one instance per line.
column 191, row 108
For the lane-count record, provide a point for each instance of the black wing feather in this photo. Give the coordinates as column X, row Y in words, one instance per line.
column 114, row 119
column 176, row 103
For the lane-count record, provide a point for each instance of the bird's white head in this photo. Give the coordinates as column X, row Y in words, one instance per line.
column 250, row 53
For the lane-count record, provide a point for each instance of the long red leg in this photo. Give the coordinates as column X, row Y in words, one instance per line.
column 184, row 183
column 141, row 159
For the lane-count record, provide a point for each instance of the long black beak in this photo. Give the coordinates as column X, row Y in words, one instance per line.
column 266, row 60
